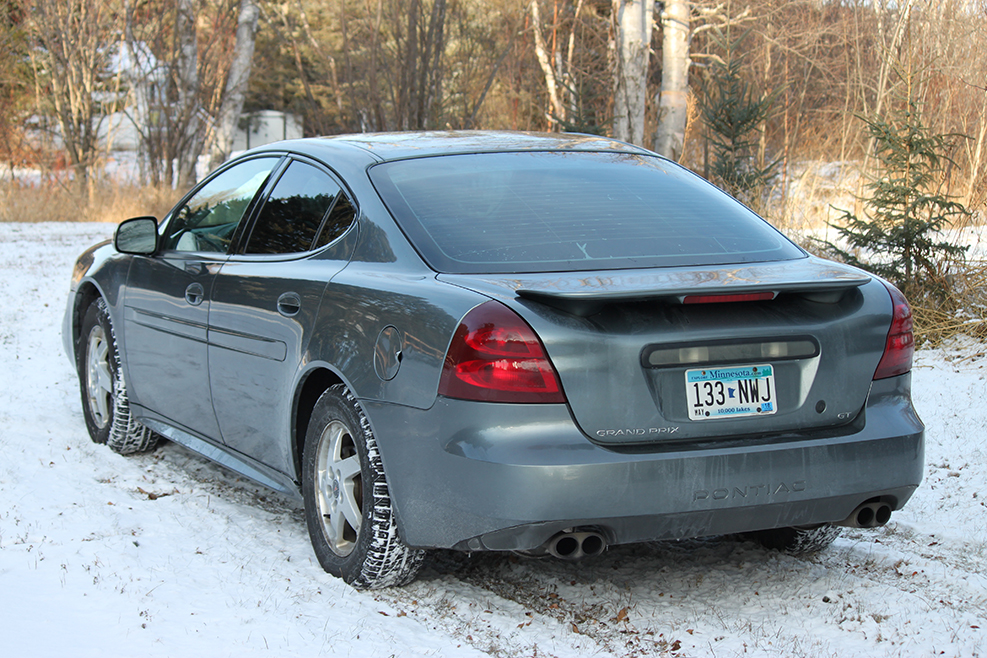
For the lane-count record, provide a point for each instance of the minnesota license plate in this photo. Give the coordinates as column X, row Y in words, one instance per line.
column 730, row 392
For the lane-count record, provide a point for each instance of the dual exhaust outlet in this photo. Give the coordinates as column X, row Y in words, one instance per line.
column 868, row 515
column 575, row 545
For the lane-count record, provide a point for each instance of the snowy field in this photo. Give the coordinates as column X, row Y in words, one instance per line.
column 166, row 555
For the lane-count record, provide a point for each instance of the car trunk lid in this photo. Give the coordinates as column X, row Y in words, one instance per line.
column 796, row 349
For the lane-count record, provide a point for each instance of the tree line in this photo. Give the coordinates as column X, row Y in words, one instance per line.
column 657, row 74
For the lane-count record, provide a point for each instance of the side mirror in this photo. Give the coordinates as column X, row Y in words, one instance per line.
column 138, row 236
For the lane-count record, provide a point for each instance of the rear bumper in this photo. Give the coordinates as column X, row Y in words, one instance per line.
column 476, row 476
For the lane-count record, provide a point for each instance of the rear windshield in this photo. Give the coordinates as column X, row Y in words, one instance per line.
column 559, row 212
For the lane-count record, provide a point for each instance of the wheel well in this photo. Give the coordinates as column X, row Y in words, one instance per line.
column 316, row 383
column 84, row 296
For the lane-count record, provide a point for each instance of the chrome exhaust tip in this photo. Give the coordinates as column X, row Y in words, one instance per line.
column 576, row 545
column 868, row 515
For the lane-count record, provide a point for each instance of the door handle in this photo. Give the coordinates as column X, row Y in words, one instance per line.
column 194, row 294
column 289, row 304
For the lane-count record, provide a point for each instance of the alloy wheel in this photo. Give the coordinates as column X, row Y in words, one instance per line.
column 99, row 377
column 339, row 491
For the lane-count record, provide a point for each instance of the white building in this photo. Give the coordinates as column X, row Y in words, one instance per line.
column 264, row 127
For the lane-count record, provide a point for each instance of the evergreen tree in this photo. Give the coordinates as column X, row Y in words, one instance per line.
column 900, row 236
column 582, row 117
column 733, row 111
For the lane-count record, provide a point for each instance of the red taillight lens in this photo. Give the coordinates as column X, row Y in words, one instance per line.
column 496, row 357
column 900, row 346
column 719, row 299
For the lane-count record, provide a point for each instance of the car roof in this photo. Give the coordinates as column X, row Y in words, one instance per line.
column 381, row 147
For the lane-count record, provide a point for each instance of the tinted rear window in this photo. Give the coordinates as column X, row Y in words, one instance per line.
column 292, row 215
column 536, row 212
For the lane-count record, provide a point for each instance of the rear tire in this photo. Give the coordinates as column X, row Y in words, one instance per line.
column 347, row 503
column 104, row 392
column 797, row 541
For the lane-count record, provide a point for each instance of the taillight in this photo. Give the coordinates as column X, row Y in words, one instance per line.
column 719, row 299
column 496, row 357
column 900, row 345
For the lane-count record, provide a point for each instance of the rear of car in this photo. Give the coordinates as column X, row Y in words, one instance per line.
column 647, row 359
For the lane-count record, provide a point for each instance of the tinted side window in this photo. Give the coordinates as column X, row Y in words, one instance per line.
column 207, row 221
column 339, row 219
column 291, row 217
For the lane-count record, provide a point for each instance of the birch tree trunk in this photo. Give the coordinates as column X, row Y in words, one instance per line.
column 236, row 82
column 673, row 99
column 557, row 110
column 632, row 24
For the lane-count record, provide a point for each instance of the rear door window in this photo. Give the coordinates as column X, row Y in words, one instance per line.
column 306, row 209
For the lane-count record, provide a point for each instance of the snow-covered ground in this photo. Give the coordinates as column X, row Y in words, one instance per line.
column 166, row 555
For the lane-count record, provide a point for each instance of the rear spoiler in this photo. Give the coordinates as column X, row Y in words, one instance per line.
column 815, row 279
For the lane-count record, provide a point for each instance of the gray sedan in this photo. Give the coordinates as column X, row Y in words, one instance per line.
column 546, row 344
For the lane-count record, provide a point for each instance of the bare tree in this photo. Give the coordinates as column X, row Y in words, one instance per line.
column 557, row 113
column 189, row 131
column 673, row 100
column 14, row 82
column 632, row 27
column 72, row 72
column 419, row 41
column 893, row 20
column 165, row 81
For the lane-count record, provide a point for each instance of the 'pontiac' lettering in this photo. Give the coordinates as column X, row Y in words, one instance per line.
column 753, row 492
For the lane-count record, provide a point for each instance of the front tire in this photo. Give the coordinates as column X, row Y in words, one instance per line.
column 104, row 393
column 347, row 503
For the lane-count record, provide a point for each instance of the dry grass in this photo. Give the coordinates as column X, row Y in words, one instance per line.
column 963, row 314
column 56, row 203
column 806, row 200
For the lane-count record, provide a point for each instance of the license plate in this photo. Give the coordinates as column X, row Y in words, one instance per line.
column 730, row 392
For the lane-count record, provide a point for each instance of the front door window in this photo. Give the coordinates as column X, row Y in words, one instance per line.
column 208, row 220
